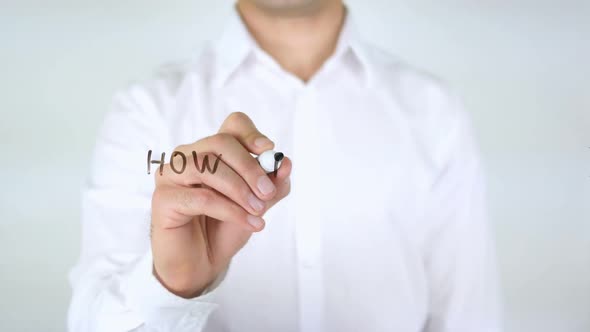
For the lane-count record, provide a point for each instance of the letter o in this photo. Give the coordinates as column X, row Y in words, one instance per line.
column 174, row 154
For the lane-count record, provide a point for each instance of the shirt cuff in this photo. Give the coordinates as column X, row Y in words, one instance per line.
column 157, row 307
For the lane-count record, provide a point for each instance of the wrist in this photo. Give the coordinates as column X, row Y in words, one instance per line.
column 185, row 285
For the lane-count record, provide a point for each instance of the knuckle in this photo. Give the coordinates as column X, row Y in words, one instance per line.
column 201, row 197
column 157, row 196
column 284, row 191
column 160, row 197
column 183, row 149
column 183, row 198
column 236, row 117
column 200, row 166
column 244, row 192
column 222, row 139
column 253, row 171
column 203, row 159
column 209, row 155
column 190, row 176
column 252, row 135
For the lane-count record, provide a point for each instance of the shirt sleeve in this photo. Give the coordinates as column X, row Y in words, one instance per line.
column 113, row 285
column 459, row 251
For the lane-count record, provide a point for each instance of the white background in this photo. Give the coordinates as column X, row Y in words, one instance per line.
column 523, row 68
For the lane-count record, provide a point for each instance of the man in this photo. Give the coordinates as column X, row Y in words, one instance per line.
column 374, row 222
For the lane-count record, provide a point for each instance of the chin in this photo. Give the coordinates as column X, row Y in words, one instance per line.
column 290, row 6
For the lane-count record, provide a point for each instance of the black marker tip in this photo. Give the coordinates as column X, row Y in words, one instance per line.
column 279, row 156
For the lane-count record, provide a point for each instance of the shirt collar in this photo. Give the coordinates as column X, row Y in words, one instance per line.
column 236, row 44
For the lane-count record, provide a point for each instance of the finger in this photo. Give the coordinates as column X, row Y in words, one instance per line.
column 241, row 161
column 177, row 205
column 282, row 182
column 209, row 169
column 283, row 173
column 240, row 126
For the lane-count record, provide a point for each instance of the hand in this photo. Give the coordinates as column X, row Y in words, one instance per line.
column 201, row 220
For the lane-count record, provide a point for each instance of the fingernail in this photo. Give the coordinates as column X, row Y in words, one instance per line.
column 287, row 180
column 255, row 203
column 256, row 222
column 262, row 142
column 265, row 185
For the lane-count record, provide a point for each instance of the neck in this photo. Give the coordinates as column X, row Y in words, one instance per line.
column 300, row 42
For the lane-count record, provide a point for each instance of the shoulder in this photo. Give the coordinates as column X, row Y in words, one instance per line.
column 434, row 113
column 419, row 90
column 168, row 83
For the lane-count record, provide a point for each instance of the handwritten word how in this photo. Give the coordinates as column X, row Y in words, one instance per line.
column 180, row 169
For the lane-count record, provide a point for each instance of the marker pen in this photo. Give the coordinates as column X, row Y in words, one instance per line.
column 270, row 160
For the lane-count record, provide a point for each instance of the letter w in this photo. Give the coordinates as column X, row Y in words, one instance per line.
column 205, row 163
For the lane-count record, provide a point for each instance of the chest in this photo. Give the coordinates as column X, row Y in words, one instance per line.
column 349, row 227
column 353, row 153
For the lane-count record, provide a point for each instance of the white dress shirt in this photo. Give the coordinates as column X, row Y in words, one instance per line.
column 385, row 227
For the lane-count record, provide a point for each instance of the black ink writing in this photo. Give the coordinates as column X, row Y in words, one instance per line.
column 178, row 167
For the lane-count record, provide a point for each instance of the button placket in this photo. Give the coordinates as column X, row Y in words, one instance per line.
column 307, row 220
